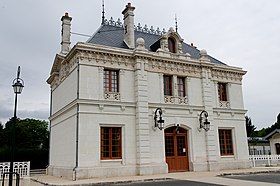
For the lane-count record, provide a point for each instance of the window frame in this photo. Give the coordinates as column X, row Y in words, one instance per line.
column 222, row 91
column 111, row 83
column 183, row 85
column 226, row 142
column 171, row 45
column 168, row 85
column 110, row 145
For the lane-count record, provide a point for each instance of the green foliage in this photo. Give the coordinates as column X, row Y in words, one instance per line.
column 1, row 133
column 265, row 131
column 30, row 133
column 250, row 128
column 31, row 141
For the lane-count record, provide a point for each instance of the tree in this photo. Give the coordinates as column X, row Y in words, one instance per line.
column 250, row 128
column 31, row 142
column 30, row 133
column 265, row 131
column 1, row 133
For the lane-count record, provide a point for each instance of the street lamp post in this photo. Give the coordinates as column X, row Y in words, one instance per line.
column 203, row 121
column 18, row 85
column 159, row 122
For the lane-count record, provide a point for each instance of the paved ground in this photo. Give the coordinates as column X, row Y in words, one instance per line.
column 165, row 183
column 230, row 177
column 263, row 177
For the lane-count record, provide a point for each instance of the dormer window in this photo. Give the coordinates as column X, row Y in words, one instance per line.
column 172, row 45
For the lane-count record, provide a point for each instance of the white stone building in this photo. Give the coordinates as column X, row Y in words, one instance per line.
column 105, row 91
column 274, row 141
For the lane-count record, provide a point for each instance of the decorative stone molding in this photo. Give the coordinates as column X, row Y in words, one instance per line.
column 101, row 106
column 227, row 75
column 101, row 70
column 122, row 72
column 123, row 108
column 181, row 69
column 224, row 104
column 183, row 100
column 176, row 99
column 169, row 99
column 140, row 44
column 112, row 96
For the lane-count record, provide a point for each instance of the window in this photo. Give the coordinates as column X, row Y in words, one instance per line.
column 181, row 87
column 225, row 139
column 111, row 143
column 111, row 80
column 171, row 45
column 167, row 85
column 222, row 91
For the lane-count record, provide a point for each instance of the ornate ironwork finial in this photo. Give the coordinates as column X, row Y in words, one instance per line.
column 103, row 13
column 176, row 23
column 18, row 72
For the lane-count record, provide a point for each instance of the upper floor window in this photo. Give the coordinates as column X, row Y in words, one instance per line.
column 111, row 143
column 172, row 45
column 167, row 80
column 181, row 87
column 222, row 91
column 111, row 80
column 225, row 139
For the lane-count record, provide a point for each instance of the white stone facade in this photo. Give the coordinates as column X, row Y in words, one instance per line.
column 80, row 107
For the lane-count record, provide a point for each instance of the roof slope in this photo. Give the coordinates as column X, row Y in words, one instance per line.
column 110, row 35
column 268, row 136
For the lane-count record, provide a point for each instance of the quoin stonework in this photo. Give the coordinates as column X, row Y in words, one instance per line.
column 105, row 91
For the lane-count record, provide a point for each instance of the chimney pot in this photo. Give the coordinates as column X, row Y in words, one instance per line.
column 128, row 14
column 65, row 33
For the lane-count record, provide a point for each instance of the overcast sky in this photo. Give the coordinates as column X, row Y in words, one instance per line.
column 243, row 33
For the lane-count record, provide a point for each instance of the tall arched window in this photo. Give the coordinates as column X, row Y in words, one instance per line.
column 172, row 45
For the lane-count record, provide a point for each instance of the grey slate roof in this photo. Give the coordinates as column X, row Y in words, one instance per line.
column 110, row 35
column 268, row 136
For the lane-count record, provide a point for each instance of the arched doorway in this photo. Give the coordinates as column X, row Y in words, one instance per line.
column 277, row 146
column 176, row 149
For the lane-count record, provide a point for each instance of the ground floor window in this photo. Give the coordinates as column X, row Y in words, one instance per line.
column 225, row 139
column 111, row 143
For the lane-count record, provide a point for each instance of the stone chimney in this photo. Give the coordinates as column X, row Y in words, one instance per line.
column 65, row 33
column 128, row 17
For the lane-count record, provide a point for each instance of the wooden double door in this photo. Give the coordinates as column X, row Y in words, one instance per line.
column 176, row 149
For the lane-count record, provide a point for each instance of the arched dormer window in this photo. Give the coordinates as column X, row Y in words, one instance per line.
column 172, row 45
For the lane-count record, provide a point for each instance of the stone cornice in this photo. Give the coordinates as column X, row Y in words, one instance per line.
column 159, row 62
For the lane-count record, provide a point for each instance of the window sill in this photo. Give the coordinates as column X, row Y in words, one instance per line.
column 227, row 156
column 111, row 160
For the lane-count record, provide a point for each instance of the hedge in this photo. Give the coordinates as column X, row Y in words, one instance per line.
column 38, row 157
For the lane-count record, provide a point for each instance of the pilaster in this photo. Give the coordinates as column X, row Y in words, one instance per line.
column 210, row 136
column 142, row 120
column 101, row 90
column 122, row 85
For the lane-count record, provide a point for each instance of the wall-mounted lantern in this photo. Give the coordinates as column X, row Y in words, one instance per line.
column 203, row 121
column 159, row 122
